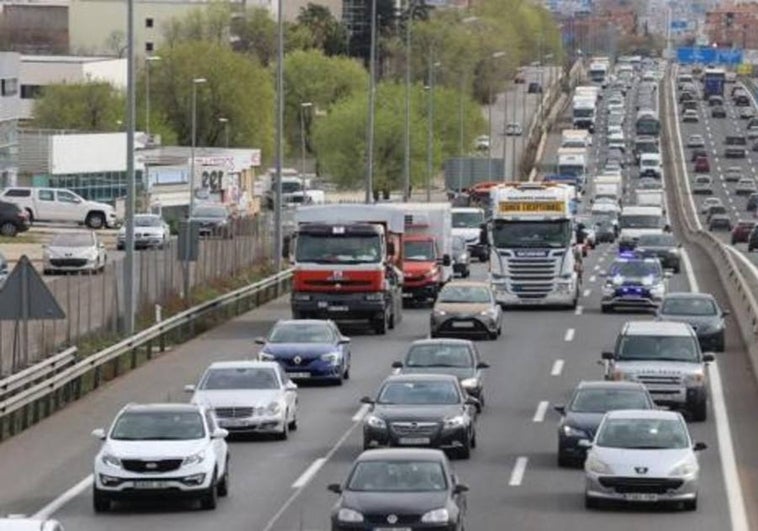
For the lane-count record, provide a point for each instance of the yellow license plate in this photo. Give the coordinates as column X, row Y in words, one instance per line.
column 546, row 206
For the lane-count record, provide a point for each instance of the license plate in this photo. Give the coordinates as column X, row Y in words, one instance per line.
column 299, row 374
column 407, row 295
column 641, row 497
column 392, row 529
column 232, row 423
column 463, row 324
column 414, row 440
column 150, row 484
column 337, row 308
column 323, row 304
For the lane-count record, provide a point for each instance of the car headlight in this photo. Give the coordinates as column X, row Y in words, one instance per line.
column 273, row 408
column 331, row 357
column 194, row 459
column 595, row 465
column 694, row 379
column 374, row 296
column 376, row 422
column 265, row 356
column 490, row 312
column 439, row 312
column 437, row 516
column 658, row 289
column 111, row 460
column 463, row 257
column 349, row 515
column 686, row 468
column 570, row 431
column 455, row 422
column 469, row 383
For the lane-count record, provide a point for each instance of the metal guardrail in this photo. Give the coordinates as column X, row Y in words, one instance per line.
column 68, row 381
column 15, row 382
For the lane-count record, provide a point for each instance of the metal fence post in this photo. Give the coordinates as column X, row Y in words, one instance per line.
column 68, row 310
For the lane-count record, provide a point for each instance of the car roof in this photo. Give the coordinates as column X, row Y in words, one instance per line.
column 609, row 384
column 466, row 283
column 405, row 377
column 301, row 321
column 168, row 407
column 402, row 454
column 657, row 328
column 661, row 414
column 243, row 364
column 443, row 341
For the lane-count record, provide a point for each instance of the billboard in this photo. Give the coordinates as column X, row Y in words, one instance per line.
column 708, row 55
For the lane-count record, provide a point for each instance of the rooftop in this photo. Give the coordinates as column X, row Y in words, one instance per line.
column 71, row 59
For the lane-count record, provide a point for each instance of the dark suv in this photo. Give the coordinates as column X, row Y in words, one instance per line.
column 752, row 240
column 12, row 219
column 752, row 202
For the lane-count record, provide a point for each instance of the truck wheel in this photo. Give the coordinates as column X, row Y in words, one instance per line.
column 391, row 323
column 8, row 229
column 700, row 411
column 380, row 327
column 95, row 220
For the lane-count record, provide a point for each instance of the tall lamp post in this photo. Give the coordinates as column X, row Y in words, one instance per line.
column 278, row 240
column 149, row 59
column 195, row 82
column 495, row 55
column 467, row 20
column 407, row 120
column 129, row 305
column 304, row 105
column 430, row 130
column 371, row 108
column 225, row 121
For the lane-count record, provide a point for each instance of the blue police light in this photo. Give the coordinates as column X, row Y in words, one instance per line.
column 628, row 254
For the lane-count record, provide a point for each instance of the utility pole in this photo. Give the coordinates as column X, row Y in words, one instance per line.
column 371, row 108
column 430, row 128
column 278, row 243
column 505, row 127
column 131, row 188
column 407, row 124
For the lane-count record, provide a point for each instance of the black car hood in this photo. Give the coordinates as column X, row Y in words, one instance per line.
column 398, row 503
column 587, row 422
column 417, row 413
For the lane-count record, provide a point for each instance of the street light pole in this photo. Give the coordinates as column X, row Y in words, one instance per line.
column 225, row 121
column 505, row 127
column 460, row 133
column 148, row 60
column 304, row 105
column 279, row 243
column 495, row 55
column 430, row 130
column 407, row 124
column 195, row 82
column 129, row 305
column 371, row 108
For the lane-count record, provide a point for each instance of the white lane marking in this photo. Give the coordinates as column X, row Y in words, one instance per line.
column 579, row 309
column 361, row 413
column 596, row 268
column 569, row 335
column 54, row 506
column 307, row 476
column 517, row 475
column 587, row 292
column 593, row 278
column 734, row 495
column 539, row 415
column 557, row 368
column 600, row 259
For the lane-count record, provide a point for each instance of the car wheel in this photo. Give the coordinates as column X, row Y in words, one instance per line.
column 391, row 323
column 690, row 505
column 285, row 433
column 100, row 501
column 720, row 344
column 605, row 308
column 293, row 423
column 464, row 452
column 564, row 461
column 700, row 411
column 346, row 375
column 473, row 440
column 8, row 229
column 432, row 335
column 223, row 485
column 95, row 220
column 209, row 500
column 380, row 326
column 591, row 503
column 677, row 269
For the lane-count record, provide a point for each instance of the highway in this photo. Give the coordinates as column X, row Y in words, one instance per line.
column 514, row 479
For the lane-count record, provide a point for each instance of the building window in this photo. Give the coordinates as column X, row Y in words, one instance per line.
column 9, row 86
column 149, row 46
column 148, row 22
column 31, row 92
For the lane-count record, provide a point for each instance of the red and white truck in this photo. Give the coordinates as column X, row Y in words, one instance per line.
column 347, row 264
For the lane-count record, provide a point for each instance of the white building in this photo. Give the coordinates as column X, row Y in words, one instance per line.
column 38, row 71
column 9, row 115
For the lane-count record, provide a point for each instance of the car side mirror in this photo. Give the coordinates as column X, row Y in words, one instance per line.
column 290, row 386
column 708, row 357
column 189, row 388
column 397, row 364
column 699, row 446
column 99, row 433
column 560, row 409
column 607, row 356
column 260, row 340
column 446, row 260
column 482, row 365
column 367, row 400
column 391, row 248
column 460, row 488
column 220, row 433
column 335, row 488
column 471, row 401
column 344, row 341
column 668, row 274
column 584, row 443
column 724, row 313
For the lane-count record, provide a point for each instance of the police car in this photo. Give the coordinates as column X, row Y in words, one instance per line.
column 634, row 282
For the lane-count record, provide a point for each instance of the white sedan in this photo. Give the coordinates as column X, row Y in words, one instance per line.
column 150, row 231
column 249, row 396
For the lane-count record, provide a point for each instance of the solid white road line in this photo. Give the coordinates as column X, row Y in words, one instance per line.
column 734, row 495
column 539, row 415
column 579, row 309
column 593, row 278
column 361, row 413
column 557, row 368
column 307, row 476
column 587, row 292
column 54, row 506
column 569, row 335
column 517, row 475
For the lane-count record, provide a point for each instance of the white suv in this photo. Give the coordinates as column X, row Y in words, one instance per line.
column 155, row 450
column 650, row 165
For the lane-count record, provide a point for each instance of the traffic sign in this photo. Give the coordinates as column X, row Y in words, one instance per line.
column 708, row 55
column 25, row 296
column 678, row 25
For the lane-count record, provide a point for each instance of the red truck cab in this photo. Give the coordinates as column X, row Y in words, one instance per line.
column 422, row 268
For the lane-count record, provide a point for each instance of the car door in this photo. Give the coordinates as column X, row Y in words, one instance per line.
column 343, row 347
column 218, row 446
column 46, row 205
column 67, row 206
column 290, row 393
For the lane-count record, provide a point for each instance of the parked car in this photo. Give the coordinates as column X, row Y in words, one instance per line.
column 513, row 129
column 60, row 205
column 150, row 231
column 482, row 143
column 213, row 220
column 13, row 219
column 71, row 252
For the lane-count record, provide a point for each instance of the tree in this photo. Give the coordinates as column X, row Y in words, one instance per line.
column 210, row 23
column 237, row 88
column 326, row 31
column 93, row 107
column 116, row 43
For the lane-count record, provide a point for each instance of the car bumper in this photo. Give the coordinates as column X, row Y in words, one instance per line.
column 457, row 326
column 89, row 265
column 373, row 526
column 674, row 397
column 311, row 371
column 629, row 301
column 338, row 307
column 641, row 490
column 260, row 424
column 506, row 297
column 442, row 438
column 117, row 484
column 141, row 244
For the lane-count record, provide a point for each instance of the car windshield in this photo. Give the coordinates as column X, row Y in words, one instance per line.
column 338, row 249
column 209, row 212
column 147, row 221
column 631, row 221
column 459, row 244
column 635, row 269
column 604, row 400
column 239, row 378
column 419, row 393
column 688, row 306
column 465, row 294
column 643, row 434
column 158, row 426
column 531, row 234
column 301, row 333
column 397, row 476
column 73, row 240
column 662, row 240
column 422, row 251
column 467, row 220
column 444, row 355
column 658, row 348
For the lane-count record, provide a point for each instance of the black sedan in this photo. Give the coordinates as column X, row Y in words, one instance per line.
column 212, row 220
column 701, row 312
column 458, row 357
column 589, row 402
column 662, row 246
column 400, row 489
column 429, row 410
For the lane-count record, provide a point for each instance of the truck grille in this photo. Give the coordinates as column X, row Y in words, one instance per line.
column 159, row 465
column 233, row 412
column 532, row 277
column 624, row 485
column 415, row 428
column 650, row 379
column 325, row 283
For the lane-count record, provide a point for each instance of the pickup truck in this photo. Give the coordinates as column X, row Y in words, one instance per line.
column 60, row 205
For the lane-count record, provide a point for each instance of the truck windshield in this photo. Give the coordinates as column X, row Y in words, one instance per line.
column 533, row 234
column 583, row 113
column 331, row 249
column 418, row 251
column 467, row 220
column 640, row 222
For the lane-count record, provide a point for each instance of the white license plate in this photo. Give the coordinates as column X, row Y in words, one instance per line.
column 232, row 423
column 338, row 308
column 463, row 324
column 392, row 529
column 150, row 485
column 641, row 497
column 299, row 374
column 407, row 295
column 414, row 440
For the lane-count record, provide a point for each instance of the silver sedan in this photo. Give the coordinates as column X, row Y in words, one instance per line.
column 642, row 456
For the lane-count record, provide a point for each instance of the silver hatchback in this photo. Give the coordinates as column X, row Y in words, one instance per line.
column 642, row 456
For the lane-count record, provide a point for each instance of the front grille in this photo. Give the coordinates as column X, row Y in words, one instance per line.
column 332, row 283
column 159, row 465
column 532, row 277
column 641, row 485
column 68, row 262
column 477, row 327
column 402, row 519
column 649, row 379
column 421, row 429
column 233, row 412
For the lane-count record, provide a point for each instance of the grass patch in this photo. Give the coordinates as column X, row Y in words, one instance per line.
column 20, row 239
